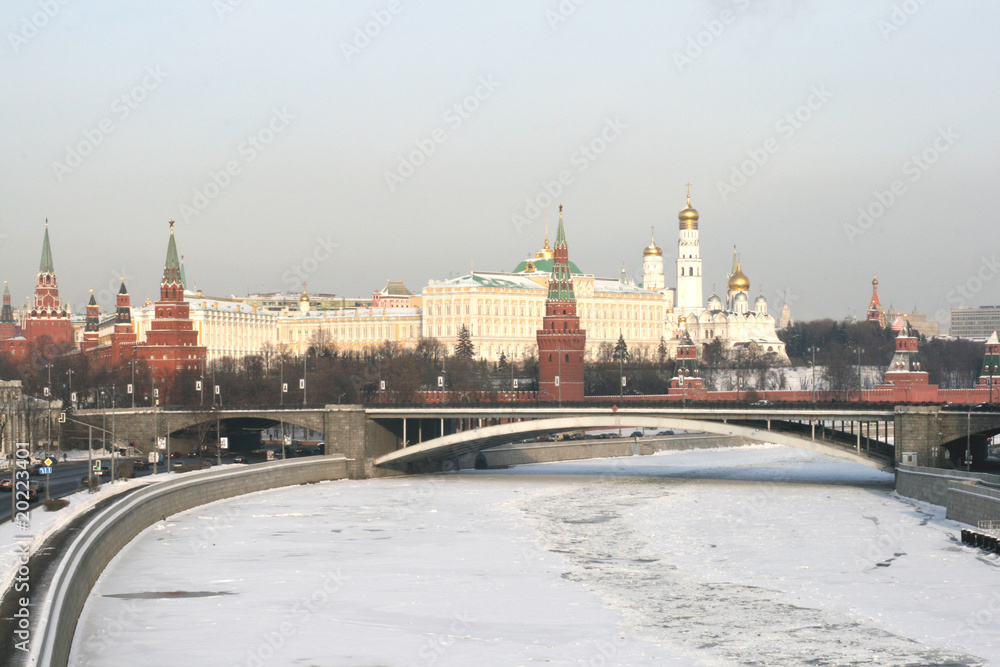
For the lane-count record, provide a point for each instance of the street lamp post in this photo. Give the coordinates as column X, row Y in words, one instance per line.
column 968, row 442
column 739, row 375
column 559, row 352
column 813, row 350
column 305, row 375
column 859, row 350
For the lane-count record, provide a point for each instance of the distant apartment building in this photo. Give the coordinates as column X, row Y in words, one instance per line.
column 975, row 323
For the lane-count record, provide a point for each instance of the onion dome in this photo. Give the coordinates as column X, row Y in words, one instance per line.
column 688, row 217
column 760, row 301
column 652, row 249
column 738, row 281
column 741, row 297
column 714, row 302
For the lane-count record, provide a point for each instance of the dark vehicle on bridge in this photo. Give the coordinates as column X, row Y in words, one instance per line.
column 239, row 458
column 140, row 464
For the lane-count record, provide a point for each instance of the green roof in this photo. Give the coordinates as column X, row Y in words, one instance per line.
column 46, row 264
column 172, row 267
column 543, row 266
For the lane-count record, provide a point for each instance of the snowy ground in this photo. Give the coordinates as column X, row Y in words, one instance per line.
column 759, row 555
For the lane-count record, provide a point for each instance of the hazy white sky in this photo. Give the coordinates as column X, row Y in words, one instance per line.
column 289, row 143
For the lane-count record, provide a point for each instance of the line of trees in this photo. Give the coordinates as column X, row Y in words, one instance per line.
column 335, row 375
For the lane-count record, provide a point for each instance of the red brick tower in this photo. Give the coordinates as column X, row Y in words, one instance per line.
column 171, row 342
column 92, row 330
column 561, row 341
column 47, row 321
column 8, row 327
column 123, row 340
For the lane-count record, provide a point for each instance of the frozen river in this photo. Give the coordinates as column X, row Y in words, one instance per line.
column 758, row 555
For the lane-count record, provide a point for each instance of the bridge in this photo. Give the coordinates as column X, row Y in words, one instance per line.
column 380, row 440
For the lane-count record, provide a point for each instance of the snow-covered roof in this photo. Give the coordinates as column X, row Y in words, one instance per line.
column 616, row 286
column 352, row 313
column 488, row 281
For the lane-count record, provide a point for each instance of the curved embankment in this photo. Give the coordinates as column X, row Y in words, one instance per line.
column 115, row 527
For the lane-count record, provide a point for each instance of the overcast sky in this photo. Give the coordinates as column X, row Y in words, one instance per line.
column 322, row 140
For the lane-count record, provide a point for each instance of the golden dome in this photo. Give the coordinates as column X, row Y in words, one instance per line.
column 739, row 281
column 652, row 248
column 688, row 217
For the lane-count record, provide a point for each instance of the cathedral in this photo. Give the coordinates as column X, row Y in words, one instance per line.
column 733, row 321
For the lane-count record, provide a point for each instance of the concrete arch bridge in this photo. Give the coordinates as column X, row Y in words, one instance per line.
column 382, row 440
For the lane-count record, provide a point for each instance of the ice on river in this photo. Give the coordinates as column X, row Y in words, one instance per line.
column 757, row 555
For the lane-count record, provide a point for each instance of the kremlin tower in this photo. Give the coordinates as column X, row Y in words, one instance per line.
column 688, row 261
column 991, row 365
column 92, row 329
column 8, row 327
column 172, row 342
column 561, row 341
column 48, row 322
column 875, row 312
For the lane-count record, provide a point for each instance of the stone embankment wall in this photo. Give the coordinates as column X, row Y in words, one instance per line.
column 967, row 497
column 571, row 450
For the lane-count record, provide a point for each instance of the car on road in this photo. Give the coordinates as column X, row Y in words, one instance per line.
column 35, row 489
column 668, row 432
column 6, row 484
column 762, row 402
column 636, row 434
column 176, row 455
column 140, row 464
column 239, row 458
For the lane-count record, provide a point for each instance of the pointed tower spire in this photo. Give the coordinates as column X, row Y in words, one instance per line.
column 561, row 232
column 123, row 308
column 46, row 266
column 561, row 280
column 172, row 285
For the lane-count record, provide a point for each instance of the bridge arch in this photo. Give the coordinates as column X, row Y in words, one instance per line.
column 449, row 447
